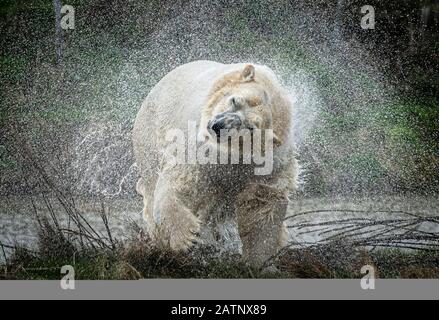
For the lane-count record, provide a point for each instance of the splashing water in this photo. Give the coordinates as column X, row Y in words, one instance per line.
column 341, row 99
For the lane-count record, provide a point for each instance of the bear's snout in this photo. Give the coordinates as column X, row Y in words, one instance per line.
column 225, row 121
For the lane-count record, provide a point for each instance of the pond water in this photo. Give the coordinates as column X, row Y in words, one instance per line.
column 402, row 221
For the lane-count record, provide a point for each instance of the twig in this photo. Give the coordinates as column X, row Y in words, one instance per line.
column 107, row 226
column 398, row 232
column 4, row 253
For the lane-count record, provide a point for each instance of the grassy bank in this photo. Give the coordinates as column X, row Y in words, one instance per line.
column 141, row 260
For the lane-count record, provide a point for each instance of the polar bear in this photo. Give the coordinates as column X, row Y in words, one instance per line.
column 179, row 198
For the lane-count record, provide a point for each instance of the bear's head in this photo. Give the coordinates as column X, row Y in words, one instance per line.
column 239, row 103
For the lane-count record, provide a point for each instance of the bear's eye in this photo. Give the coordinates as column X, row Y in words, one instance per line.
column 236, row 103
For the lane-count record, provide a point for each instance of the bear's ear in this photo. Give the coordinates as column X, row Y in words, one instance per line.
column 248, row 74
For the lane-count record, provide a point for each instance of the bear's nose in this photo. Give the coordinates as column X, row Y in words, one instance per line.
column 225, row 121
column 217, row 126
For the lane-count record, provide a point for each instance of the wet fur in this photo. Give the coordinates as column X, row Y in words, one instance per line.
column 186, row 196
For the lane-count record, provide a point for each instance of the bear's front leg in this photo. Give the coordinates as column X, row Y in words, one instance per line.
column 261, row 210
column 175, row 226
